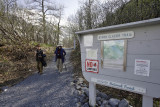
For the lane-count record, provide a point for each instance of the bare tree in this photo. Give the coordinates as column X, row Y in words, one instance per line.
column 90, row 14
column 60, row 13
column 44, row 7
column 9, row 4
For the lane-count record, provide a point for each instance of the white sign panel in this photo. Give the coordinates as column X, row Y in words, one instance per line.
column 92, row 66
column 91, row 53
column 88, row 40
column 119, row 85
column 120, row 35
column 142, row 67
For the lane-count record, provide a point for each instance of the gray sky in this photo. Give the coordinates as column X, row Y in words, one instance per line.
column 71, row 6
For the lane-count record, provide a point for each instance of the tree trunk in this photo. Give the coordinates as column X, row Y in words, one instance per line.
column 89, row 19
column 44, row 23
column 58, row 31
column 141, row 9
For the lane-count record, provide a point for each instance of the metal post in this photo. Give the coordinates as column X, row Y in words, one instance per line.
column 92, row 94
column 147, row 101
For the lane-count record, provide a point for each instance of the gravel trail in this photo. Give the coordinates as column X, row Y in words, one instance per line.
column 48, row 90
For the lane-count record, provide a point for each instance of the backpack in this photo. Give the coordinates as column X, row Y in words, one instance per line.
column 44, row 63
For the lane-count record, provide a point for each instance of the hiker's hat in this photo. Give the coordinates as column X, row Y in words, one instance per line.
column 59, row 45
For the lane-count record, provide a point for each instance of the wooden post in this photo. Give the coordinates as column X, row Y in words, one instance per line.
column 147, row 101
column 92, row 94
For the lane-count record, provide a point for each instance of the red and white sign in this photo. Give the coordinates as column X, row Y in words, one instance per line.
column 92, row 66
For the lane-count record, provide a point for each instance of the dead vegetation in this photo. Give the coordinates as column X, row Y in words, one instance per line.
column 18, row 63
column 76, row 60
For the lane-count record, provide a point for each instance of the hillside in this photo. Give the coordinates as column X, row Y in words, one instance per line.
column 16, row 66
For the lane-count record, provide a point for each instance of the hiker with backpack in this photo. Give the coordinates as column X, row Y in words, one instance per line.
column 60, row 57
column 40, row 58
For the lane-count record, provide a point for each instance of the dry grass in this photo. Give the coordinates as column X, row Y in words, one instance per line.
column 16, row 67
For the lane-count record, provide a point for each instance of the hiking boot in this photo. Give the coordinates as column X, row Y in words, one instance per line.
column 41, row 73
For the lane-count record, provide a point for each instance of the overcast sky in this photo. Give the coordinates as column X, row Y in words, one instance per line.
column 71, row 6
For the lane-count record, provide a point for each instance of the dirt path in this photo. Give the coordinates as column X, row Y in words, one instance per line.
column 50, row 89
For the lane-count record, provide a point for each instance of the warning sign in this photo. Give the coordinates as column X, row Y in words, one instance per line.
column 92, row 66
column 142, row 67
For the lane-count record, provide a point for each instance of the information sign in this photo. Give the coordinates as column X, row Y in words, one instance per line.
column 142, row 67
column 92, row 66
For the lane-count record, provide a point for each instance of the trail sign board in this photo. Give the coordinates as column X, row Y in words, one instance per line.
column 125, row 56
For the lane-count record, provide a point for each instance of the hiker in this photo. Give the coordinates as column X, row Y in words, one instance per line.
column 40, row 59
column 60, row 57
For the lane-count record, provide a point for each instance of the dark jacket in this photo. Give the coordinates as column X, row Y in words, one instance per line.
column 62, row 53
column 39, row 55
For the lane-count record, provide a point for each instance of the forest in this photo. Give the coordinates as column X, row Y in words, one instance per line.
column 22, row 28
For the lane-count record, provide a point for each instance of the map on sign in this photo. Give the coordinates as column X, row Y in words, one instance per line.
column 92, row 66
column 114, row 51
